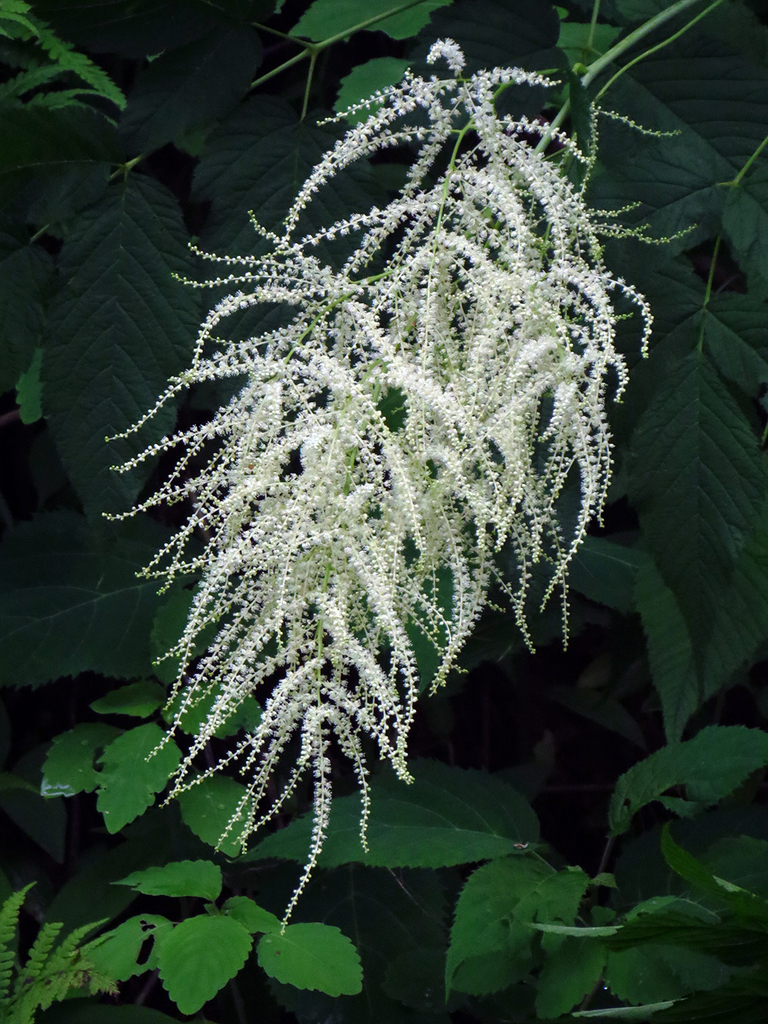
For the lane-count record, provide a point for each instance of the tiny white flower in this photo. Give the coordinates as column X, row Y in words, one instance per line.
column 389, row 439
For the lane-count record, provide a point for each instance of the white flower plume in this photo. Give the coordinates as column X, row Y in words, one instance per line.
column 422, row 408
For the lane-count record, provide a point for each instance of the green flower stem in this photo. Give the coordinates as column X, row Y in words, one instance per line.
column 658, row 46
column 599, row 65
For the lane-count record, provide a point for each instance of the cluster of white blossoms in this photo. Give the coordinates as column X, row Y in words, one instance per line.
column 386, row 444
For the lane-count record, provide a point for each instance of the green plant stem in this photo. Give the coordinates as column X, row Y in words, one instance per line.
column 708, row 294
column 658, row 46
column 737, row 180
column 313, row 50
column 599, row 65
column 593, row 24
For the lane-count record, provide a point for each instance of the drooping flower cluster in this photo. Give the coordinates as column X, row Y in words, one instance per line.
column 410, row 418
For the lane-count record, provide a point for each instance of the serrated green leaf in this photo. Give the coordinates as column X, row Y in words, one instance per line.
column 209, row 806
column 199, row 957
column 741, row 623
column 189, row 86
column 711, row 765
column 327, row 18
column 251, row 915
column 742, row 860
column 366, row 79
column 479, row 959
column 258, row 160
column 670, row 651
column 583, row 42
column 29, row 390
column 658, row 972
column 120, row 326
column 745, row 220
column 570, row 973
column 136, row 699
column 137, row 28
column 128, row 781
column 315, row 956
column 604, row 571
column 116, row 952
column 179, row 878
column 43, row 143
column 678, row 180
column 446, row 816
column 742, row 902
column 70, row 601
column 69, row 767
column 698, row 482
column 25, row 276
column 734, row 334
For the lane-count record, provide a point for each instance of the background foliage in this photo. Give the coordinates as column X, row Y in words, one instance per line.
column 528, row 872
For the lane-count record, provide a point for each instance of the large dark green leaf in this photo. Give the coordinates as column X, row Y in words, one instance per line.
column 70, row 600
column 120, row 326
column 717, row 103
column 257, row 161
column 698, row 483
column 137, row 28
column 190, row 86
column 326, row 18
column 50, row 157
column 734, row 333
column 446, row 816
column 25, row 276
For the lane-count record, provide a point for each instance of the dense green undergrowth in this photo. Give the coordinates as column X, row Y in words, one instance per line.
column 586, row 834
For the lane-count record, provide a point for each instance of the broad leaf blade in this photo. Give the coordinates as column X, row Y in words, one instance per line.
column 71, row 601
column 190, row 86
column 120, row 327
column 199, row 957
column 315, row 956
column 446, row 816
column 135, row 768
column 711, row 765
column 179, row 878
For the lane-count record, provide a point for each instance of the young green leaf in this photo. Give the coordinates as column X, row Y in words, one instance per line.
column 670, row 651
column 208, row 808
column 130, row 777
column 315, row 956
column 699, row 482
column 69, row 767
column 116, row 952
column 136, row 699
column 251, row 915
column 479, row 959
column 571, row 971
column 180, row 878
column 199, row 956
